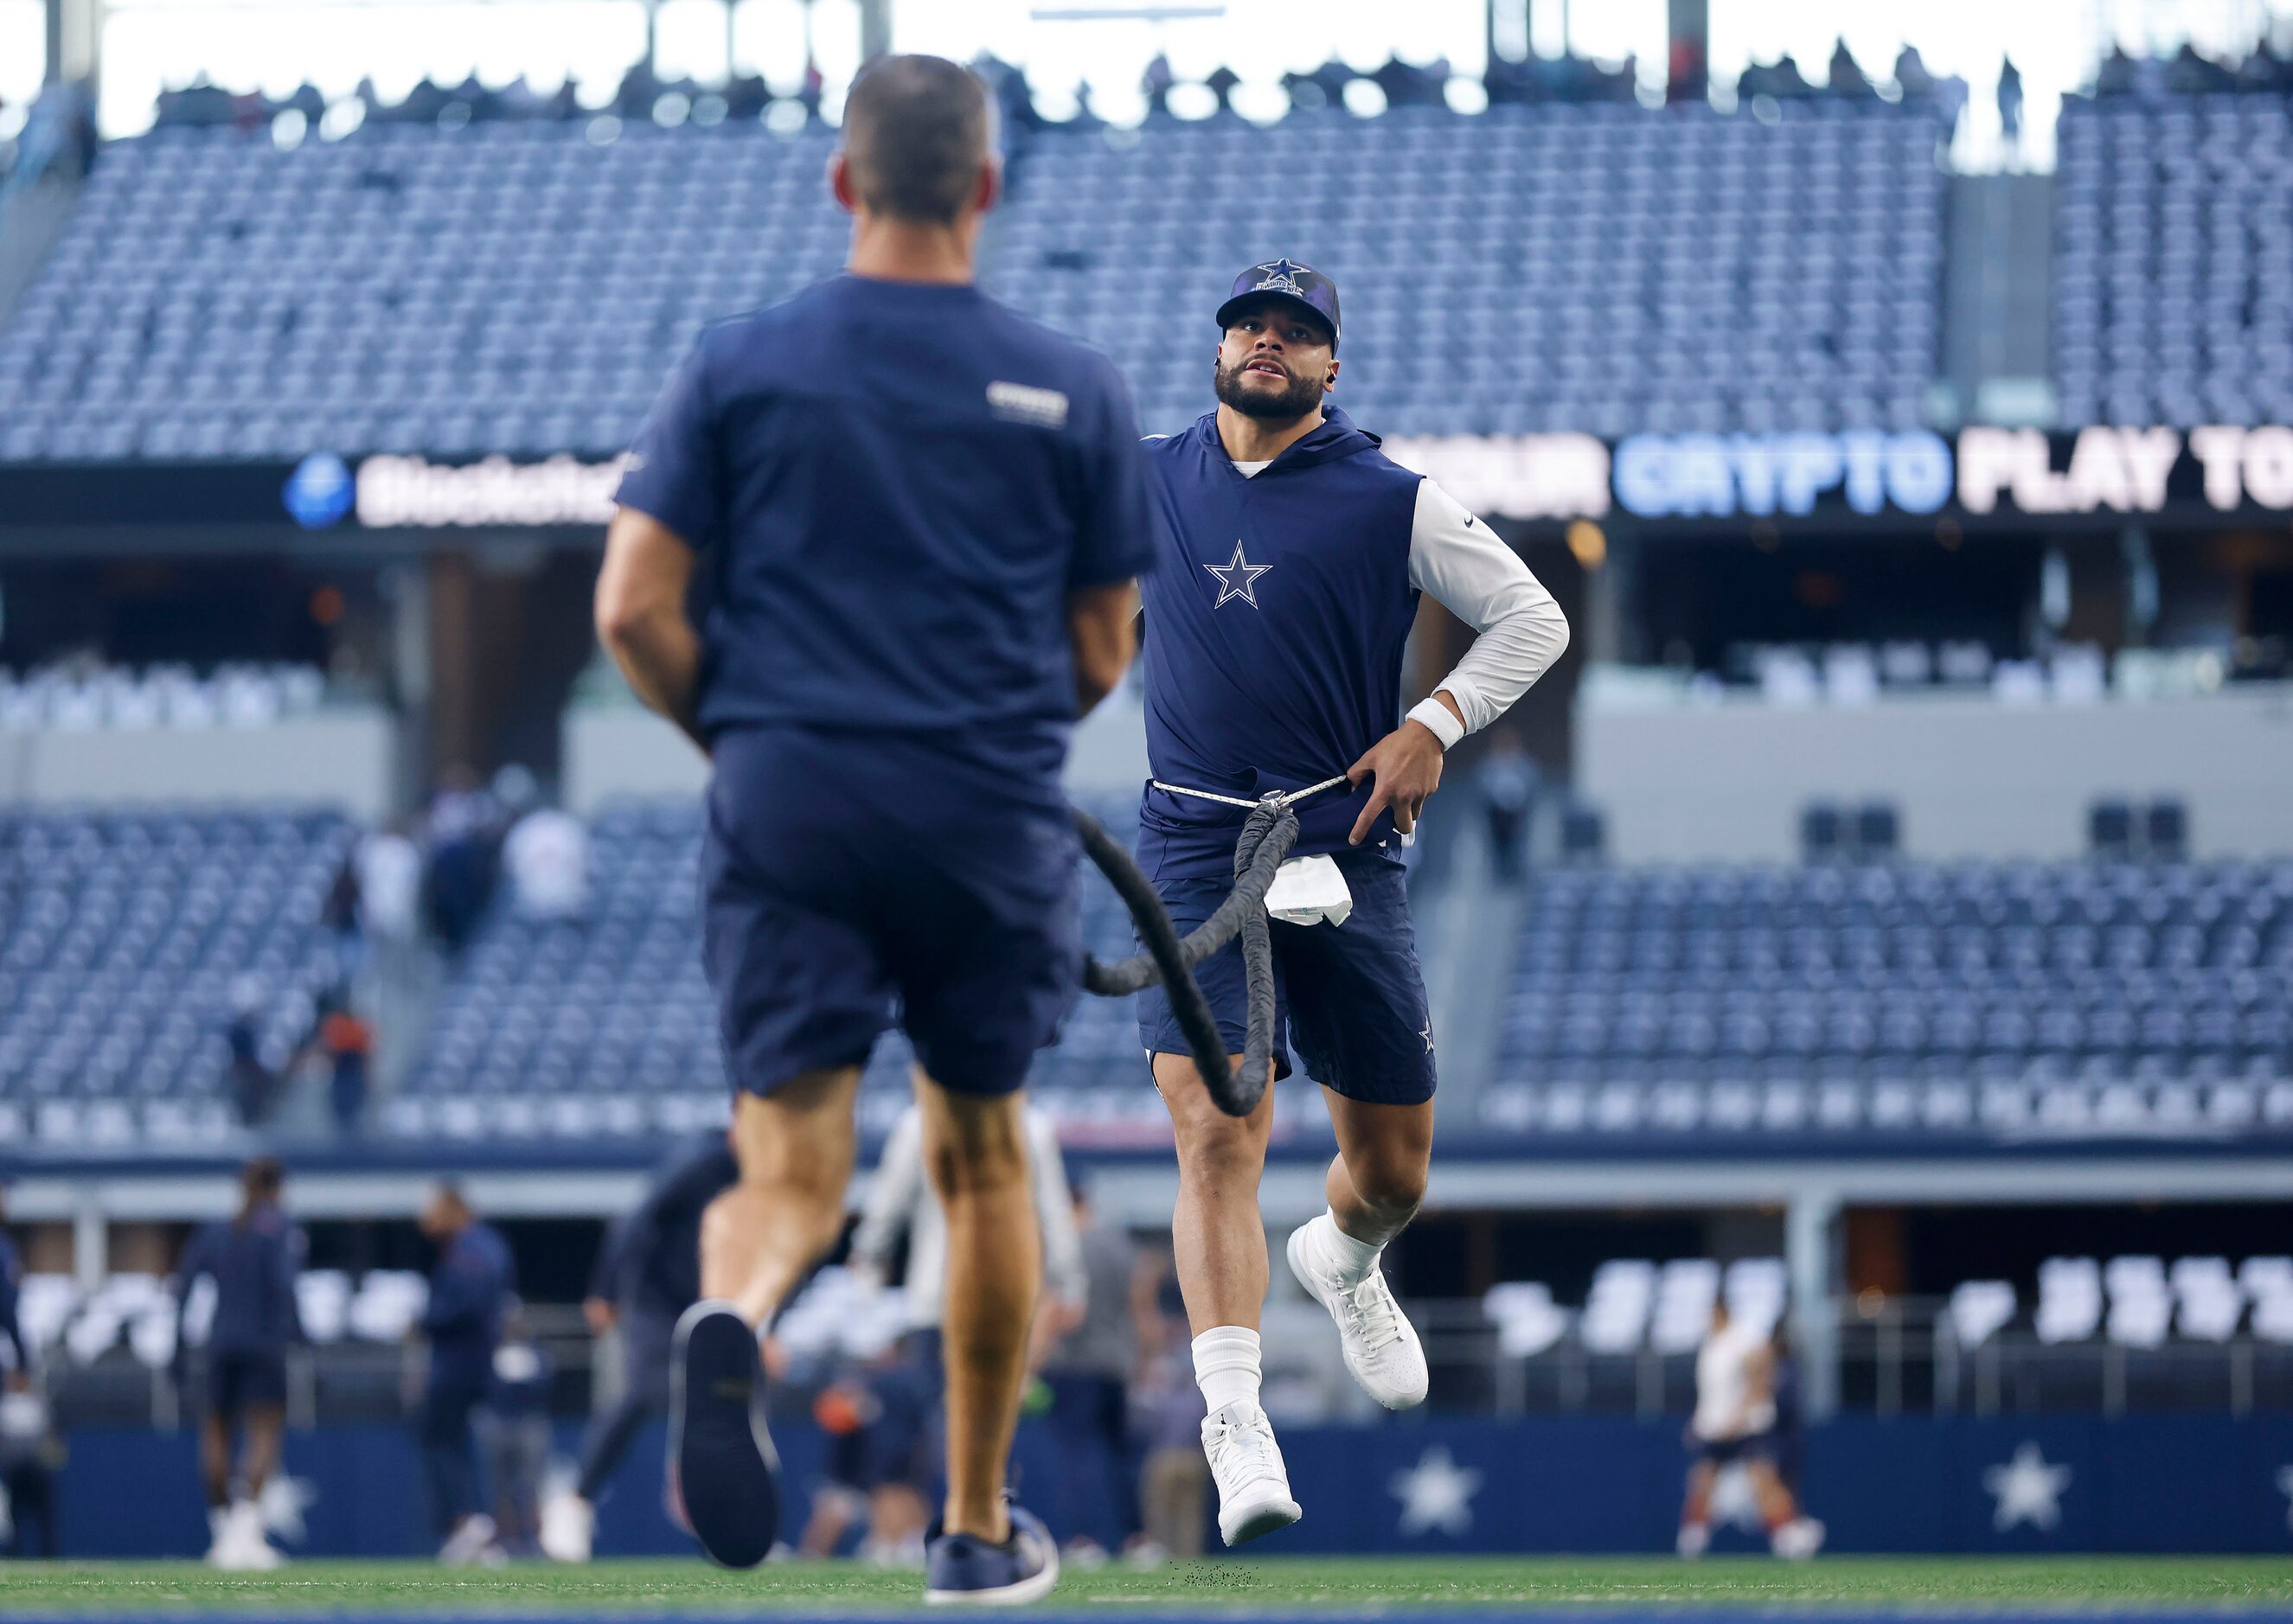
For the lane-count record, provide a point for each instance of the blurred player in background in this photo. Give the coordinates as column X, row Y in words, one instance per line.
column 514, row 1427
column 921, row 517
column 1292, row 555
column 253, row 1259
column 1733, row 1425
column 648, row 1273
column 15, row 1353
column 1096, row 1350
column 470, row 1290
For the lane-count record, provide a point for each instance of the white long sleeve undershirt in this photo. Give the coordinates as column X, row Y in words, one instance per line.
column 1467, row 568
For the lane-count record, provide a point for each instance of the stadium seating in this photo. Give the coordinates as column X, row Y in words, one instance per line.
column 2002, row 1000
column 1599, row 269
column 126, row 937
column 605, row 1026
column 235, row 695
column 524, row 287
column 2172, row 279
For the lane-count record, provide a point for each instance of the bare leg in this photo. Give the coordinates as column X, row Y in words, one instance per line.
column 1216, row 1236
column 1378, row 1176
column 796, row 1149
column 1777, row 1506
column 266, row 1425
column 1696, row 1510
column 215, row 1459
column 976, row 1149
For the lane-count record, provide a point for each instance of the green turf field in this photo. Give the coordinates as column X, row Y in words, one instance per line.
column 1294, row 1585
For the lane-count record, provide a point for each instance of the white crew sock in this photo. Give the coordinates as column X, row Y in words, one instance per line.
column 1226, row 1366
column 1354, row 1258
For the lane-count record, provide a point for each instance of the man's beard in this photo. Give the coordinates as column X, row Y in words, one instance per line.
column 1302, row 395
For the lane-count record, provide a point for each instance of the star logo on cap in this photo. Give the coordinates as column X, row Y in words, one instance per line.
column 1281, row 277
column 1238, row 578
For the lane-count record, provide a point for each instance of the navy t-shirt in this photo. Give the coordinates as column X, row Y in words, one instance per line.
column 894, row 487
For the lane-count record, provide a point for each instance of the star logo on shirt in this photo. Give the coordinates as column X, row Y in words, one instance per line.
column 1238, row 578
column 1426, row 1032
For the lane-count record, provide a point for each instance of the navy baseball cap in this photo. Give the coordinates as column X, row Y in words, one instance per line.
column 1290, row 282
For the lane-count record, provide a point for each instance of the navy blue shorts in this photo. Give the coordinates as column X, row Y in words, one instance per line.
column 238, row 1382
column 853, row 881
column 1351, row 995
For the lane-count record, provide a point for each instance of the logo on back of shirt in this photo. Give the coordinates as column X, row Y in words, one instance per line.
column 1042, row 409
column 1238, row 578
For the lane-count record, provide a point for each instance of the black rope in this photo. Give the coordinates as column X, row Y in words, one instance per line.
column 1268, row 833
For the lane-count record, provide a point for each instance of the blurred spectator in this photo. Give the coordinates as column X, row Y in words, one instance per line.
column 2263, row 71
column 547, row 857
column 746, row 96
column 253, row 1083
column 1508, row 779
column 31, row 1453
column 390, row 884
column 470, row 1288
column 15, row 1353
column 515, row 1427
column 1157, row 83
column 1220, row 83
column 254, row 1260
column 460, row 875
column 1848, row 79
column 347, row 1042
column 1405, row 85
column 1090, row 1371
column 340, row 913
column 2117, row 74
column 2191, row 75
column 1175, row 1480
column 877, row 1416
column 1911, row 75
column 2010, row 106
column 1782, row 81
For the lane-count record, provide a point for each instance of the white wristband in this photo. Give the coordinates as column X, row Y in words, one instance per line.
column 1437, row 718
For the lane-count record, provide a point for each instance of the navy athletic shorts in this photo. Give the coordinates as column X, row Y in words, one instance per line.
column 1728, row 1451
column 853, row 881
column 237, row 1382
column 1351, row 995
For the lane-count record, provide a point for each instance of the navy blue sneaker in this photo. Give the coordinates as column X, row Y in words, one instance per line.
column 726, row 1475
column 960, row 1568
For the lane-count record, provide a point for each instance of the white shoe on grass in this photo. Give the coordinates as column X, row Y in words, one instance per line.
column 1253, row 1485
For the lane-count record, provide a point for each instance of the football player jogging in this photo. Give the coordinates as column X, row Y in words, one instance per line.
column 1293, row 553
column 914, row 520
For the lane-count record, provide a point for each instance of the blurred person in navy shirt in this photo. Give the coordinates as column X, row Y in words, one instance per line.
column 915, row 518
column 470, row 1289
column 254, row 1260
column 648, row 1273
column 15, row 1353
column 514, row 1425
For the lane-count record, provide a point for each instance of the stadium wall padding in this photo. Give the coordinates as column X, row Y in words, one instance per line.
column 1942, row 1484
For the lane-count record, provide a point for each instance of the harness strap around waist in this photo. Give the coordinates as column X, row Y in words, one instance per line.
column 1289, row 798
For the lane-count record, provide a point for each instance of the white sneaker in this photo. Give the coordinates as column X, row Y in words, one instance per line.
column 569, row 1526
column 1695, row 1540
column 1797, row 1539
column 240, row 1545
column 1253, row 1485
column 219, row 1529
column 1380, row 1345
column 471, row 1538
